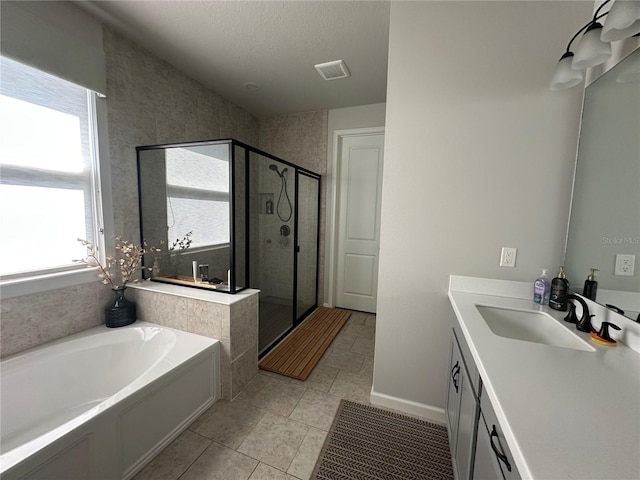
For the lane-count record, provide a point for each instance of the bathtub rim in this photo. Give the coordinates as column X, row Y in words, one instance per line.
column 147, row 382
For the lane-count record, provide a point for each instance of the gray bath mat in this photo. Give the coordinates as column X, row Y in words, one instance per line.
column 370, row 443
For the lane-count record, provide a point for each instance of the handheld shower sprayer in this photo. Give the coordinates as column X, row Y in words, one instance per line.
column 283, row 190
column 275, row 169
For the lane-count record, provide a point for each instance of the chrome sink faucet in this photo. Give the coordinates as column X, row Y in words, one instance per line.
column 584, row 324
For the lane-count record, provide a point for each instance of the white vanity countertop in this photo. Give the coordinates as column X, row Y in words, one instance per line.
column 566, row 414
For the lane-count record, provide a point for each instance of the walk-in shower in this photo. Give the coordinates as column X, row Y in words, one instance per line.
column 252, row 219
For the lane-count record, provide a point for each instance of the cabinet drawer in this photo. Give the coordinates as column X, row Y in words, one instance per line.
column 496, row 439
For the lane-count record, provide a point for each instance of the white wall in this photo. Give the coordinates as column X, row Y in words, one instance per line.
column 340, row 119
column 479, row 155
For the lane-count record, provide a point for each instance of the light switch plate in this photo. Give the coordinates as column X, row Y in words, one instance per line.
column 625, row 265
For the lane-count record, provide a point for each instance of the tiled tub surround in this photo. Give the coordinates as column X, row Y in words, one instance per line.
column 31, row 320
column 232, row 319
column 94, row 404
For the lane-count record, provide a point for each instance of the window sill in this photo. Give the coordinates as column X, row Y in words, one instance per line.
column 44, row 283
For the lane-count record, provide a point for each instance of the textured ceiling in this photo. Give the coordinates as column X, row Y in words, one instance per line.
column 275, row 44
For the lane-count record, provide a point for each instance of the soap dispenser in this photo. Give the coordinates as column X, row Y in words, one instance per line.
column 591, row 285
column 559, row 288
column 541, row 289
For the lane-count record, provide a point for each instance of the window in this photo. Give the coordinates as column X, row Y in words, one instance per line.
column 198, row 194
column 48, row 172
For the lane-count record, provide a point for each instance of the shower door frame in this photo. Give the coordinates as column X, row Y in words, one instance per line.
column 233, row 220
column 296, row 319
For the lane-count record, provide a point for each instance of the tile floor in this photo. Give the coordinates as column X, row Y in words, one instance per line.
column 276, row 427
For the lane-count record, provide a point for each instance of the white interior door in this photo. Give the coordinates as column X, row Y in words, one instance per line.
column 359, row 200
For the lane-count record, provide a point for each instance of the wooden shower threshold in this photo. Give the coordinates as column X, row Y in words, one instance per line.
column 298, row 354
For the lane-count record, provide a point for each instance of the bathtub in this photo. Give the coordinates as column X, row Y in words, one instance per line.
column 102, row 403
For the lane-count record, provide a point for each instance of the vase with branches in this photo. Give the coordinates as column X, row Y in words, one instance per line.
column 117, row 272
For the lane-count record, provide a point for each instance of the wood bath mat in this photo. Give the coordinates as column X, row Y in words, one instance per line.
column 298, row 354
column 366, row 442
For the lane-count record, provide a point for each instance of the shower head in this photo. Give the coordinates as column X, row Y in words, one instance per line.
column 275, row 169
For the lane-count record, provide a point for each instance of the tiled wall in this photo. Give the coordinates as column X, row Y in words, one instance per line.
column 149, row 102
column 235, row 325
column 301, row 138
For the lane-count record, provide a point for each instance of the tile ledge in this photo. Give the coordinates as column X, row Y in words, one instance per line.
column 194, row 293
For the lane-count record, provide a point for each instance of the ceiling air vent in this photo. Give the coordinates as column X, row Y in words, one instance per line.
column 333, row 70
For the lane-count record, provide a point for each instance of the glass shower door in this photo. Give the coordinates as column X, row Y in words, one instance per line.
column 273, row 269
column 307, row 245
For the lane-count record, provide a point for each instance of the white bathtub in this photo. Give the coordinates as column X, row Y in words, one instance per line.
column 102, row 403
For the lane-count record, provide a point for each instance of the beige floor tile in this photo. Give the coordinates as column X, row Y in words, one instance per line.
column 320, row 379
column 343, row 341
column 357, row 318
column 370, row 321
column 265, row 472
column 326, row 353
column 352, row 386
column 221, row 463
column 307, row 456
column 360, row 331
column 274, row 441
column 316, row 409
column 276, row 396
column 227, row 422
column 174, row 460
column 343, row 360
column 363, row 345
column 367, row 367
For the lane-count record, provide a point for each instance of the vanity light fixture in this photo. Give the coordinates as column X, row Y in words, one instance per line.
column 623, row 21
column 592, row 50
column 566, row 75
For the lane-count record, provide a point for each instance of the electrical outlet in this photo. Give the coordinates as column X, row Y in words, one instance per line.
column 625, row 265
column 508, row 257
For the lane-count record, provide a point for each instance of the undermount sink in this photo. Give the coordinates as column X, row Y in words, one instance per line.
column 531, row 326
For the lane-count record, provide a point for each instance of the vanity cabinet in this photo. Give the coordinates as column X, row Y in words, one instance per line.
column 478, row 448
column 462, row 412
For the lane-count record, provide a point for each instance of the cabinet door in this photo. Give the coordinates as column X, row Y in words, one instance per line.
column 467, row 426
column 486, row 465
column 497, row 442
column 453, row 394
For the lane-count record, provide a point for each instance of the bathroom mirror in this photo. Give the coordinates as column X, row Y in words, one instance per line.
column 605, row 207
column 185, row 208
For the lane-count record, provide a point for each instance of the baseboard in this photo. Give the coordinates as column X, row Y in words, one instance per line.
column 408, row 406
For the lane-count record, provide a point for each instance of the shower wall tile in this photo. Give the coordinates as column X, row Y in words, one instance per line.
column 148, row 102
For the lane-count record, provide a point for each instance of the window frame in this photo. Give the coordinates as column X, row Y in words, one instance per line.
column 47, row 279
